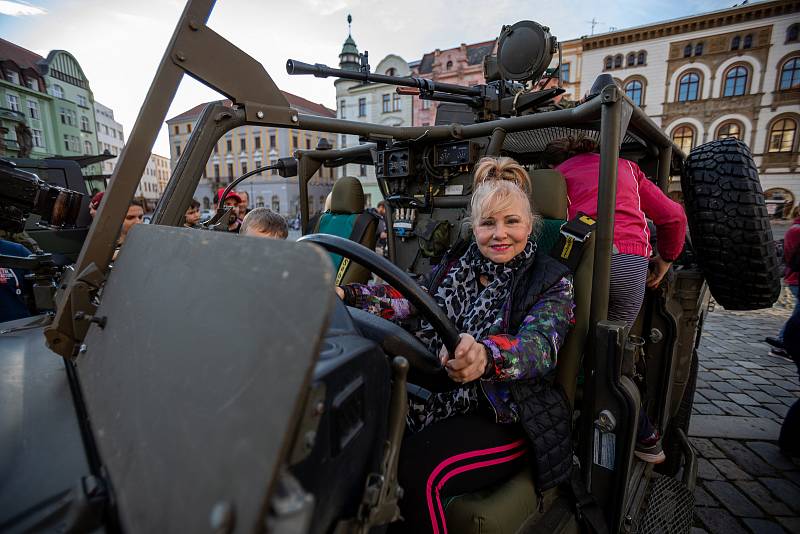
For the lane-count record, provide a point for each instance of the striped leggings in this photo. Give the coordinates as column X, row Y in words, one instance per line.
column 458, row 455
column 626, row 292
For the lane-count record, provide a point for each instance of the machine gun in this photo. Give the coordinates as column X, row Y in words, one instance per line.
column 524, row 51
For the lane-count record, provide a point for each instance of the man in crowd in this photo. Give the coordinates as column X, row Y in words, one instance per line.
column 12, row 301
column 243, row 206
column 791, row 258
column 95, row 203
column 263, row 222
column 234, row 200
column 192, row 216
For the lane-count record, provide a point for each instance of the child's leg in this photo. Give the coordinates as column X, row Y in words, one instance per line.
column 626, row 291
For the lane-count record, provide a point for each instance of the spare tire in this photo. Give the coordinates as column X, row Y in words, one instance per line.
column 729, row 226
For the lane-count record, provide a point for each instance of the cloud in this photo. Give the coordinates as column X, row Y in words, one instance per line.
column 19, row 9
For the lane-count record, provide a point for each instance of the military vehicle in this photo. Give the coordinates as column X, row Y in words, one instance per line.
column 209, row 382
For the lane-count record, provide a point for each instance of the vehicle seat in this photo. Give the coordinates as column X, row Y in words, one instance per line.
column 348, row 219
column 505, row 508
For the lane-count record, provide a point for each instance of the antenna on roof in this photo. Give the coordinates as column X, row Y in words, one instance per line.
column 594, row 22
column 349, row 22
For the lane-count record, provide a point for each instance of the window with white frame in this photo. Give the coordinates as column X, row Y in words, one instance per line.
column 32, row 83
column 37, row 138
column 395, row 102
column 85, row 124
column 13, row 102
column 12, row 77
column 33, row 109
column 565, row 72
column 57, row 91
column 82, row 101
column 385, row 103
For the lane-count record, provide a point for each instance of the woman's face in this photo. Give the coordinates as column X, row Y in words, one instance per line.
column 501, row 235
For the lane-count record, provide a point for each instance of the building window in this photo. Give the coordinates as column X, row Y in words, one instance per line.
column 244, row 167
column 87, row 147
column 33, row 109
column 257, row 142
column 32, row 84
column 395, row 102
column 689, row 87
column 276, row 204
column 735, row 82
column 12, row 77
column 792, row 33
column 308, row 144
column 82, row 101
column 230, row 171
column 618, row 61
column 641, row 58
column 362, row 170
column 71, row 143
column 344, row 141
column 608, row 63
column 229, row 145
column 683, row 136
column 385, row 99
column 390, row 71
column 565, row 72
column 634, row 91
column 273, row 162
column 781, row 135
column 687, row 50
column 258, row 166
column 85, row 124
column 294, row 142
column 426, row 104
column 242, row 144
column 216, row 171
column 736, row 42
column 449, row 65
column 341, row 108
column 790, row 75
column 259, row 202
column 188, row 128
column 631, row 61
column 362, row 107
column 216, row 149
column 177, row 129
column 57, row 91
column 272, row 141
column 37, row 138
column 698, row 49
column 13, row 102
column 729, row 130
column 748, row 41
column 178, row 150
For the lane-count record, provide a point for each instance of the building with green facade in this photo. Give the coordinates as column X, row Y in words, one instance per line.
column 52, row 98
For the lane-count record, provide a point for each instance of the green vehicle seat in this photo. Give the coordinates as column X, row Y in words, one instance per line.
column 348, row 219
column 503, row 509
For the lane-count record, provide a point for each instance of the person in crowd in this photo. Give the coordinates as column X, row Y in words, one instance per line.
column 134, row 216
column 12, row 286
column 791, row 275
column 94, row 204
column 789, row 439
column 632, row 267
column 514, row 307
column 244, row 204
column 234, row 200
column 263, row 222
column 192, row 216
column 382, row 234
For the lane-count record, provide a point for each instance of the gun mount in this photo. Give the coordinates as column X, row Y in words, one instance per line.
column 524, row 51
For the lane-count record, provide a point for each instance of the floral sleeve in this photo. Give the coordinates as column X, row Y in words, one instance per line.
column 381, row 299
column 532, row 351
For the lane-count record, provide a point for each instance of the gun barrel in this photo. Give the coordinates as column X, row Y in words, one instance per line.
column 319, row 70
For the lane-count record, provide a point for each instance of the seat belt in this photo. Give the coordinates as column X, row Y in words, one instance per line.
column 574, row 234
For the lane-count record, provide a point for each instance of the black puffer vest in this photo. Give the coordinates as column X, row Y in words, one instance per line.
column 544, row 411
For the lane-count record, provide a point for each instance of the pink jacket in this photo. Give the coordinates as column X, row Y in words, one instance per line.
column 790, row 248
column 637, row 198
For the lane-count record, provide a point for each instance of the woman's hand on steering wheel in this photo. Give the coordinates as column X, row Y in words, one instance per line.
column 469, row 361
column 339, row 292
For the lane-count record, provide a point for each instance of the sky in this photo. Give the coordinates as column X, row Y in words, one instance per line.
column 119, row 44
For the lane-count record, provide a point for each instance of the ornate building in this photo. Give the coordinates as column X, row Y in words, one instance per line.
column 462, row 65
column 375, row 103
column 110, row 136
column 728, row 73
column 248, row 147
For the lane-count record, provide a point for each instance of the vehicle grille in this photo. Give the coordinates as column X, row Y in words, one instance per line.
column 669, row 508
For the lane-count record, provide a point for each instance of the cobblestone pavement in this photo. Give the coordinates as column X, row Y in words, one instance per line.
column 743, row 393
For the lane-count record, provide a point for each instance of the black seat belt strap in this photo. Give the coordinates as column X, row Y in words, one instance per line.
column 574, row 234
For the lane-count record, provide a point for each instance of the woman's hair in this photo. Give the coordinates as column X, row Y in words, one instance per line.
column 560, row 150
column 498, row 183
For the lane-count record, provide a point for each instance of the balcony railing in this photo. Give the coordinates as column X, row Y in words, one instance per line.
column 12, row 115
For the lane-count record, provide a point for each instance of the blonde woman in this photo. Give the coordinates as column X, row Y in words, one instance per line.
column 514, row 308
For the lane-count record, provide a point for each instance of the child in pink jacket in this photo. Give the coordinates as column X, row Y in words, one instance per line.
column 638, row 199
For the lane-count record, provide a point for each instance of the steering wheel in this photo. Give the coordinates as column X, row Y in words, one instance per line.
column 394, row 340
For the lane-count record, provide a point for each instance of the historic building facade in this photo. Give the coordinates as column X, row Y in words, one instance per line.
column 155, row 177
column 462, row 65
column 375, row 103
column 248, row 147
column 728, row 73
column 110, row 136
